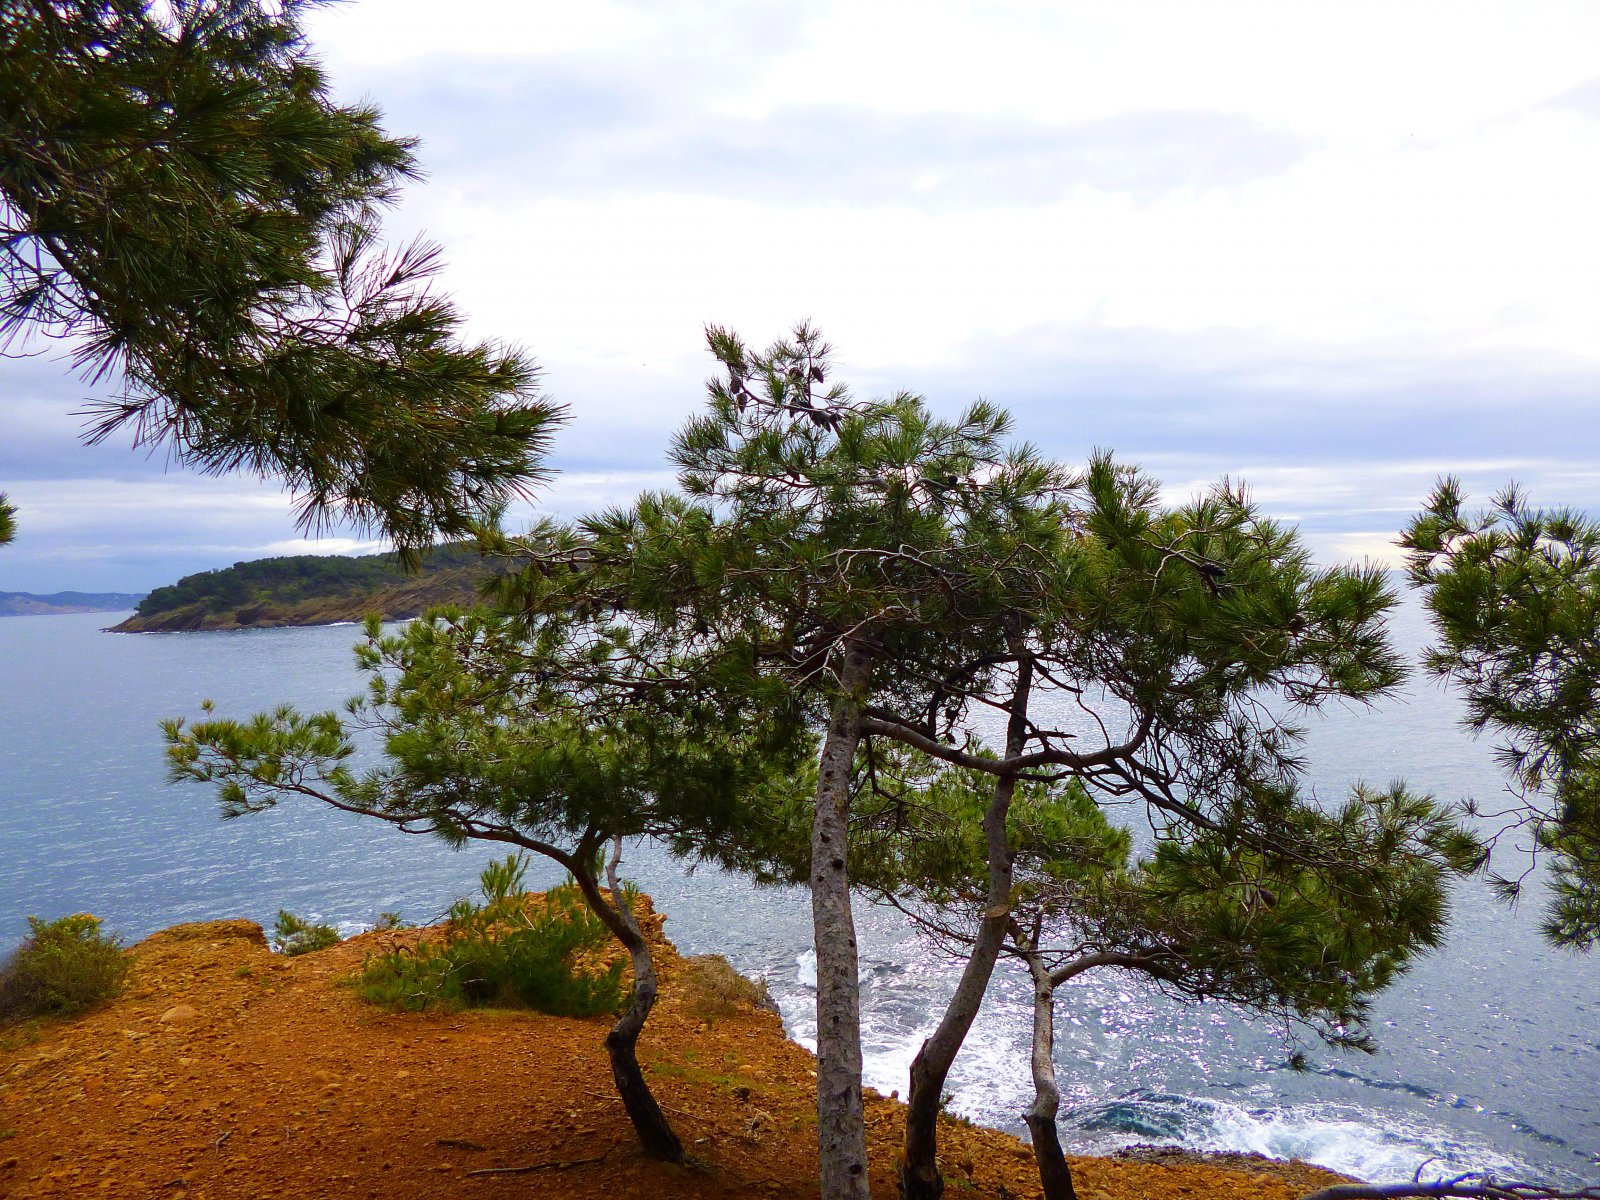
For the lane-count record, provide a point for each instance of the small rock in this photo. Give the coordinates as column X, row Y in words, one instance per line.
column 153, row 1100
column 179, row 1015
column 758, row 1122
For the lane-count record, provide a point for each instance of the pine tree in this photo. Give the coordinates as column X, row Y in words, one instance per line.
column 855, row 554
column 1307, row 940
column 184, row 204
column 542, row 742
column 1514, row 593
column 898, row 573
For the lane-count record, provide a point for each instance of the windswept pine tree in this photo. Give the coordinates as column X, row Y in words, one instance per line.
column 1305, row 941
column 186, row 207
column 549, row 743
column 1514, row 593
column 854, row 554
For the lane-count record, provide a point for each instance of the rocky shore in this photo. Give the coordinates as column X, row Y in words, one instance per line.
column 226, row 1071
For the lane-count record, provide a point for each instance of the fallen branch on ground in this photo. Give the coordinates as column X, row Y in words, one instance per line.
column 552, row 1164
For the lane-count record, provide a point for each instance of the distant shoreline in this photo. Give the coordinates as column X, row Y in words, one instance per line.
column 54, row 604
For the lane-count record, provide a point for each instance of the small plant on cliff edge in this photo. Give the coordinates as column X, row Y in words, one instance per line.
column 63, row 967
column 509, row 952
column 292, row 935
column 712, row 988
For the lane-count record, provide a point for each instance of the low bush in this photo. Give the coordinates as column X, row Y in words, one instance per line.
column 293, row 935
column 63, row 967
column 712, row 988
column 509, row 952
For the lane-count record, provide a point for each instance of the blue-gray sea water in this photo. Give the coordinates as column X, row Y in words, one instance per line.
column 1490, row 1048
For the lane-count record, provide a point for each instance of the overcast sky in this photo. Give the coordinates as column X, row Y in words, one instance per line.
column 1332, row 250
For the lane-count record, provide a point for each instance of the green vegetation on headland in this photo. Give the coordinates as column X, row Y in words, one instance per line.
column 27, row 604
column 310, row 589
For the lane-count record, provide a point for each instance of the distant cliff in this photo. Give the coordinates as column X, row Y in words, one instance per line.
column 309, row 589
column 27, row 604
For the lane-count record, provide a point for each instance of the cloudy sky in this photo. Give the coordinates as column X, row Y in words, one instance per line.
column 1332, row 250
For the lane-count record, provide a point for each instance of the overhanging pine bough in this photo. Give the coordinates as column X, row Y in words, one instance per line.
column 182, row 201
column 1514, row 593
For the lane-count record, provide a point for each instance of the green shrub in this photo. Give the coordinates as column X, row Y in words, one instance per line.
column 293, row 935
column 712, row 988
column 504, row 953
column 63, row 967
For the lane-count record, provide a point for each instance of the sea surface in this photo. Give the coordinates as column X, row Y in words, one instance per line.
column 1490, row 1048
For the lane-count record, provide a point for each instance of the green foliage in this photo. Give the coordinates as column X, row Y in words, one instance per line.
column 1310, row 939
column 508, row 952
column 292, row 935
column 486, row 729
column 8, row 520
column 61, row 968
column 181, row 197
column 1307, row 929
column 916, row 832
column 285, row 581
column 1514, row 593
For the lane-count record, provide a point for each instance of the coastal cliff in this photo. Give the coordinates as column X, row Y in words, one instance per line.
column 228, row 1071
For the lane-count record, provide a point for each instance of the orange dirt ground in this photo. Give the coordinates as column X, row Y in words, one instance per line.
column 226, row 1071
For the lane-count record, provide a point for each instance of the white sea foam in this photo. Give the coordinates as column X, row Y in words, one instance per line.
column 1345, row 1138
column 989, row 1084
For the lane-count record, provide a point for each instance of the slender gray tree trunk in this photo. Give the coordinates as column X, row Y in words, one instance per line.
column 1055, row 1177
column 920, row 1178
column 622, row 1042
column 841, row 1122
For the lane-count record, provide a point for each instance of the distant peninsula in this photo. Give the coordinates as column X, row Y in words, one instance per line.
column 27, row 604
column 310, row 589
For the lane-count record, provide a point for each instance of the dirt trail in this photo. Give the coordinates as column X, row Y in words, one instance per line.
column 226, row 1071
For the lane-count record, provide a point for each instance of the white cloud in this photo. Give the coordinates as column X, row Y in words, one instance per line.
column 1334, row 249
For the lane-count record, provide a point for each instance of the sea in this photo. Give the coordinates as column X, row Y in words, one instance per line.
column 1489, row 1049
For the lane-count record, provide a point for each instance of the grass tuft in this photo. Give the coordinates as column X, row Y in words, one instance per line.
column 508, row 952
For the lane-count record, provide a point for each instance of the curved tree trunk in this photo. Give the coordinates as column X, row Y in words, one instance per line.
column 1055, row 1177
column 841, row 1121
column 920, row 1178
column 649, row 1122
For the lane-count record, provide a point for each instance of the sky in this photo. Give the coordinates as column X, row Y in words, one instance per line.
column 1333, row 251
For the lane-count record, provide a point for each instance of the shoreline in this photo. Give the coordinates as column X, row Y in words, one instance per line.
column 226, row 1070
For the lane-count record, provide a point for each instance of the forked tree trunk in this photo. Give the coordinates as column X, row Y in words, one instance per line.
column 841, row 1122
column 920, row 1178
column 622, row 1043
column 1055, row 1177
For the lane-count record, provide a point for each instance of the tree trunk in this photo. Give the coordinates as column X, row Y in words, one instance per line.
column 1055, row 1177
column 920, row 1178
column 649, row 1122
column 841, row 1122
